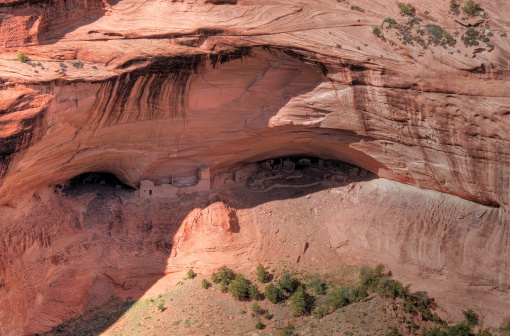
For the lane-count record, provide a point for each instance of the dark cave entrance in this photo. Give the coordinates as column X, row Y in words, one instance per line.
column 90, row 181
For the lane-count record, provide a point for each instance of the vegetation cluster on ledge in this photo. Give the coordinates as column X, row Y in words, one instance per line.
column 415, row 31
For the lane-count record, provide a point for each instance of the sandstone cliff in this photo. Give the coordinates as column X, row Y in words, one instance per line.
column 148, row 89
column 162, row 86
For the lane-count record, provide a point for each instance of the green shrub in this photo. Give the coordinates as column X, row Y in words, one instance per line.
column 239, row 288
column 471, row 37
column 317, row 286
column 215, row 277
column 435, row 30
column 454, row 7
column 255, row 307
column 288, row 330
column 320, row 311
column 262, row 275
column 22, row 57
column 367, row 277
column 191, row 274
column 260, row 325
column 267, row 315
column 433, row 332
column 411, row 22
column 357, row 8
column 390, row 21
column 393, row 332
column 288, row 283
column 253, row 292
column 340, row 297
column 161, row 305
column 471, row 8
column 224, row 286
column 78, row 64
column 460, row 329
column 406, row 9
column 377, row 31
column 390, row 288
column 226, row 274
column 301, row 302
column 272, row 293
column 205, row 284
column 471, row 317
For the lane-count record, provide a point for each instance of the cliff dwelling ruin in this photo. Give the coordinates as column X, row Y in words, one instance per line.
column 169, row 188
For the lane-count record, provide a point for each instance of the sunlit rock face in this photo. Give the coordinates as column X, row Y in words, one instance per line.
column 148, row 90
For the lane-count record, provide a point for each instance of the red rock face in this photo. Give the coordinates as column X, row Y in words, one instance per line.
column 147, row 90
column 376, row 104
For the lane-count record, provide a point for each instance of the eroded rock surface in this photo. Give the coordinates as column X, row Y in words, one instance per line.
column 145, row 90
column 163, row 86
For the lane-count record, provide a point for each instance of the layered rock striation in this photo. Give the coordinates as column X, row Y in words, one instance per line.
column 141, row 90
column 145, row 90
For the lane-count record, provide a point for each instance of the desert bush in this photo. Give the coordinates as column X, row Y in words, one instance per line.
column 301, row 302
column 288, row 330
column 239, row 288
column 205, row 284
column 320, row 311
column 161, row 305
column 367, row 277
column 22, row 57
column 253, row 292
column 406, row 9
column 377, row 31
column 191, row 274
column 78, row 64
column 471, row 37
column 460, row 329
column 411, row 22
column 224, row 286
column 393, row 332
column 215, row 277
column 262, row 275
column 390, row 21
column 255, row 307
column 357, row 8
column 226, row 274
column 317, row 286
column 390, row 288
column 340, row 297
column 471, row 317
column 454, row 7
column 260, row 325
column 272, row 293
column 288, row 283
column 471, row 8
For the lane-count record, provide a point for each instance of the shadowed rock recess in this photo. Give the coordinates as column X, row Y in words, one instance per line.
column 154, row 90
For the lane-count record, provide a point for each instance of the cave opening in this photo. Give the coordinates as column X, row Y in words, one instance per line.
column 297, row 172
column 88, row 181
